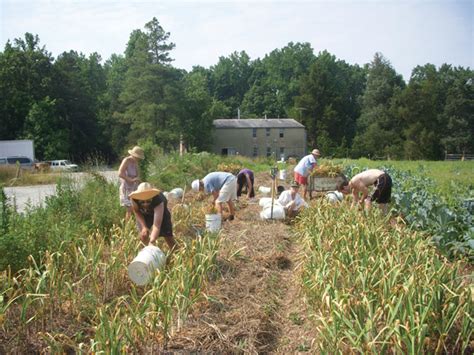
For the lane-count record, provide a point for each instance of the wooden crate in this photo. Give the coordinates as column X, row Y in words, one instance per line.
column 316, row 183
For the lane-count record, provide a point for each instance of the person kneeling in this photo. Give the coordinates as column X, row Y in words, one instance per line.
column 150, row 208
column 292, row 201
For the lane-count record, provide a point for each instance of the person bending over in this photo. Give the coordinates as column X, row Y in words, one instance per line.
column 150, row 207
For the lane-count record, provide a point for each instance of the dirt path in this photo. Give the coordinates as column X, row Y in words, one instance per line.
column 255, row 305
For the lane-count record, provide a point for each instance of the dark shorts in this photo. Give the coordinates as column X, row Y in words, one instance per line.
column 383, row 189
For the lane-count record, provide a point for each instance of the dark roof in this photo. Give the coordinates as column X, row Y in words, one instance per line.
column 257, row 123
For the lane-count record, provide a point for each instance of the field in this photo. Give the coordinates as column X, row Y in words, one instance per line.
column 336, row 280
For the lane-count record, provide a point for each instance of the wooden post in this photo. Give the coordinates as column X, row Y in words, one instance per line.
column 273, row 173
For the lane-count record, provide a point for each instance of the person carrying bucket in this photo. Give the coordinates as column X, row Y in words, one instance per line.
column 222, row 186
column 150, row 207
column 245, row 178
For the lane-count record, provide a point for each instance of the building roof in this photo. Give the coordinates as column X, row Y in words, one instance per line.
column 257, row 123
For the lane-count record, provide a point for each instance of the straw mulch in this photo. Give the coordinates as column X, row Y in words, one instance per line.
column 254, row 304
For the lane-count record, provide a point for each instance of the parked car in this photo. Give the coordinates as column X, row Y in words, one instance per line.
column 24, row 162
column 65, row 165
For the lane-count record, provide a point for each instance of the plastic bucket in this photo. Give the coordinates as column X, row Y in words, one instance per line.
column 142, row 268
column 282, row 175
column 264, row 190
column 213, row 222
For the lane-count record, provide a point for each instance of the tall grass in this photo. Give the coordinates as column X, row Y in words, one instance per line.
column 377, row 288
column 71, row 214
column 170, row 171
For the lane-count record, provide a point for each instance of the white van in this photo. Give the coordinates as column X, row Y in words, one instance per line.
column 63, row 165
column 24, row 162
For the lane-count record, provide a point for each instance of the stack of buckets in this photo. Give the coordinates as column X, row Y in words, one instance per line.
column 142, row 268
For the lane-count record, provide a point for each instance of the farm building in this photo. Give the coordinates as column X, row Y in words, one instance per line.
column 280, row 137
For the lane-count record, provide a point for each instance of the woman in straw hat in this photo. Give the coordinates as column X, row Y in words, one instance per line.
column 150, row 207
column 129, row 178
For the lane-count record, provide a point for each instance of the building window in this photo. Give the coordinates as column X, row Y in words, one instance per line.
column 282, row 151
column 269, row 151
column 268, row 132
column 282, row 132
column 254, row 132
column 255, row 151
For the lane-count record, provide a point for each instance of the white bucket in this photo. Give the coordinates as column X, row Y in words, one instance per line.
column 282, row 175
column 264, row 190
column 142, row 268
column 213, row 222
column 177, row 192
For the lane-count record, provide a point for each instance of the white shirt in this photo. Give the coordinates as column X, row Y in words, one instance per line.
column 304, row 166
column 285, row 199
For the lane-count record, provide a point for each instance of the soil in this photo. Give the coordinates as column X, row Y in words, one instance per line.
column 255, row 305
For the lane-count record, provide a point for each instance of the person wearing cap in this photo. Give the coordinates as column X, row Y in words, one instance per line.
column 222, row 186
column 291, row 200
column 304, row 168
column 245, row 178
column 150, row 207
column 129, row 178
column 359, row 186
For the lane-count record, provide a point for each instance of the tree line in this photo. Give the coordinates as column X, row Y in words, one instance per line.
column 74, row 106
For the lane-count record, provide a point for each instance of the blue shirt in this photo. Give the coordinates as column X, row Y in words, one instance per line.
column 214, row 181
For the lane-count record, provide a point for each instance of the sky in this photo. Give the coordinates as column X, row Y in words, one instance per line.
column 407, row 32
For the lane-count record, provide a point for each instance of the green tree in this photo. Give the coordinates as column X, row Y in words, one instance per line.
column 378, row 127
column 25, row 78
column 228, row 80
column 43, row 126
column 115, row 131
column 201, row 110
column 151, row 99
column 275, row 81
column 328, row 105
column 458, row 114
column 77, row 88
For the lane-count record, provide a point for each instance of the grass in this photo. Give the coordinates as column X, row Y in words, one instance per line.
column 11, row 176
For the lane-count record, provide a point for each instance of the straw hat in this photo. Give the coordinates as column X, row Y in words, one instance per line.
column 316, row 152
column 137, row 152
column 144, row 191
column 195, row 185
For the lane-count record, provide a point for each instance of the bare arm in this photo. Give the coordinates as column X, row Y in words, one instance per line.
column 157, row 220
column 215, row 195
column 249, row 185
column 141, row 220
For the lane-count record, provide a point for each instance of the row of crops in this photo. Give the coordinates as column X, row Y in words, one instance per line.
column 374, row 287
